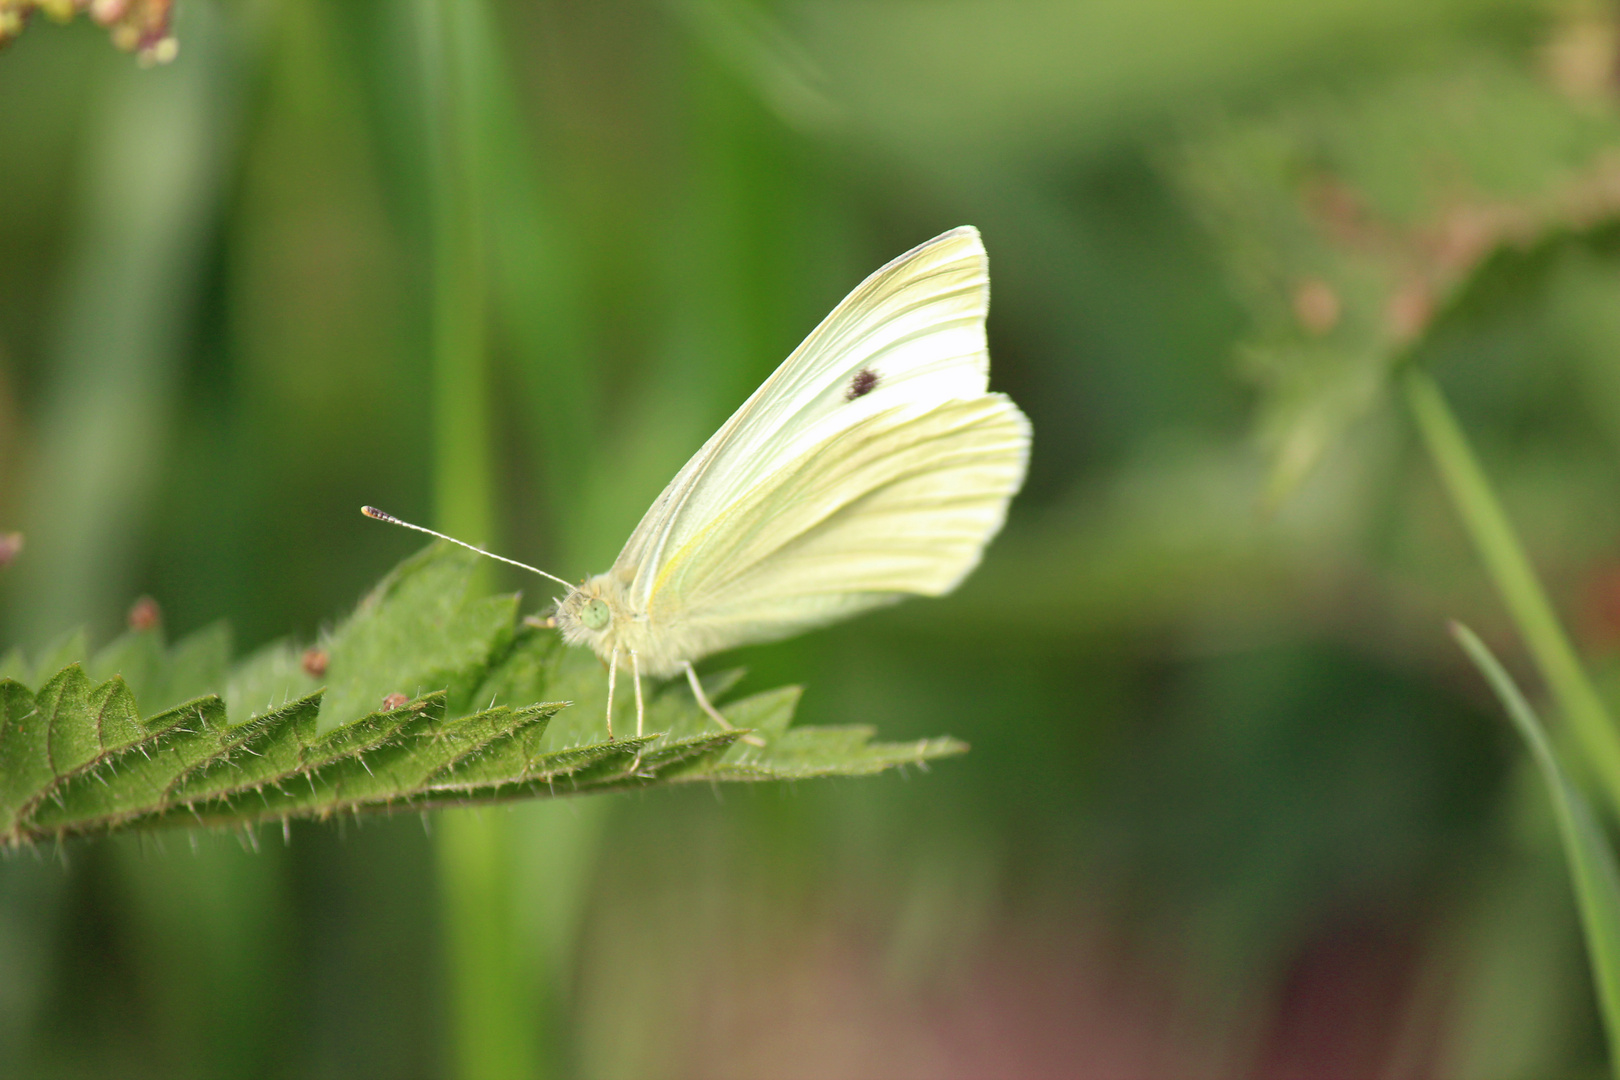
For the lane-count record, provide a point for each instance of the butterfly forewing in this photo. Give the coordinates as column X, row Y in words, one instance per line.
column 898, row 503
column 908, row 338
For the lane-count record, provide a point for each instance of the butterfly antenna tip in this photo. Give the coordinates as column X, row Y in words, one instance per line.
column 381, row 515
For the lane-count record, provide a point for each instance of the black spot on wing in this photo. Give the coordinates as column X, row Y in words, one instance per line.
column 864, row 382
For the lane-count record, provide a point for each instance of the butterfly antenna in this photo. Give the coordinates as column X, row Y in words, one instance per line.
column 373, row 512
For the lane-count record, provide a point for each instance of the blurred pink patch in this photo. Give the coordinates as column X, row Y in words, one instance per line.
column 1063, row 1001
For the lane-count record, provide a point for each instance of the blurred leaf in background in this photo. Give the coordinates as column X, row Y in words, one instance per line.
column 1350, row 222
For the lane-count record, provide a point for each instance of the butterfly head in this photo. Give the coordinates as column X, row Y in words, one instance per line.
column 592, row 614
column 595, row 615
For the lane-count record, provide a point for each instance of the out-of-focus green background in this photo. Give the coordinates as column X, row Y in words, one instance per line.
column 1235, row 804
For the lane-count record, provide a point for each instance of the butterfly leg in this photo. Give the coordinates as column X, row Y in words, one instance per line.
column 641, row 712
column 714, row 713
column 613, row 672
column 702, row 698
column 635, row 675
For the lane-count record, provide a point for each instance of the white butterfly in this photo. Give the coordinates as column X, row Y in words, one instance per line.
column 873, row 464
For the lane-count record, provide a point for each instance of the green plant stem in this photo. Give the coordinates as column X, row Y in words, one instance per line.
column 490, row 1014
column 1498, row 546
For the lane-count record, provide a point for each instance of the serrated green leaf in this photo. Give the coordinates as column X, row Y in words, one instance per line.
column 268, row 680
column 197, row 666
column 25, row 766
column 77, row 757
column 417, row 631
column 120, row 787
column 50, row 737
column 159, row 676
column 140, row 658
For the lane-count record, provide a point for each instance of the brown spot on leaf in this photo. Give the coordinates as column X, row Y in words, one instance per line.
column 314, row 662
column 394, row 701
column 864, row 382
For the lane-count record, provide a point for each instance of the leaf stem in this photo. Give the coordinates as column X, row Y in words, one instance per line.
column 1515, row 579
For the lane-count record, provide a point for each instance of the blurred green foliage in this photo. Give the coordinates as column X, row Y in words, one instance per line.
column 1236, row 803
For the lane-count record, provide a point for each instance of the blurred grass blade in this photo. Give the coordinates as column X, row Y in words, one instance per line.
column 1591, row 861
column 749, row 41
column 489, row 1038
column 462, row 477
column 1516, row 580
column 509, row 1017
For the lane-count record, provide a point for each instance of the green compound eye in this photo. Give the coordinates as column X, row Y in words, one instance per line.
column 595, row 615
